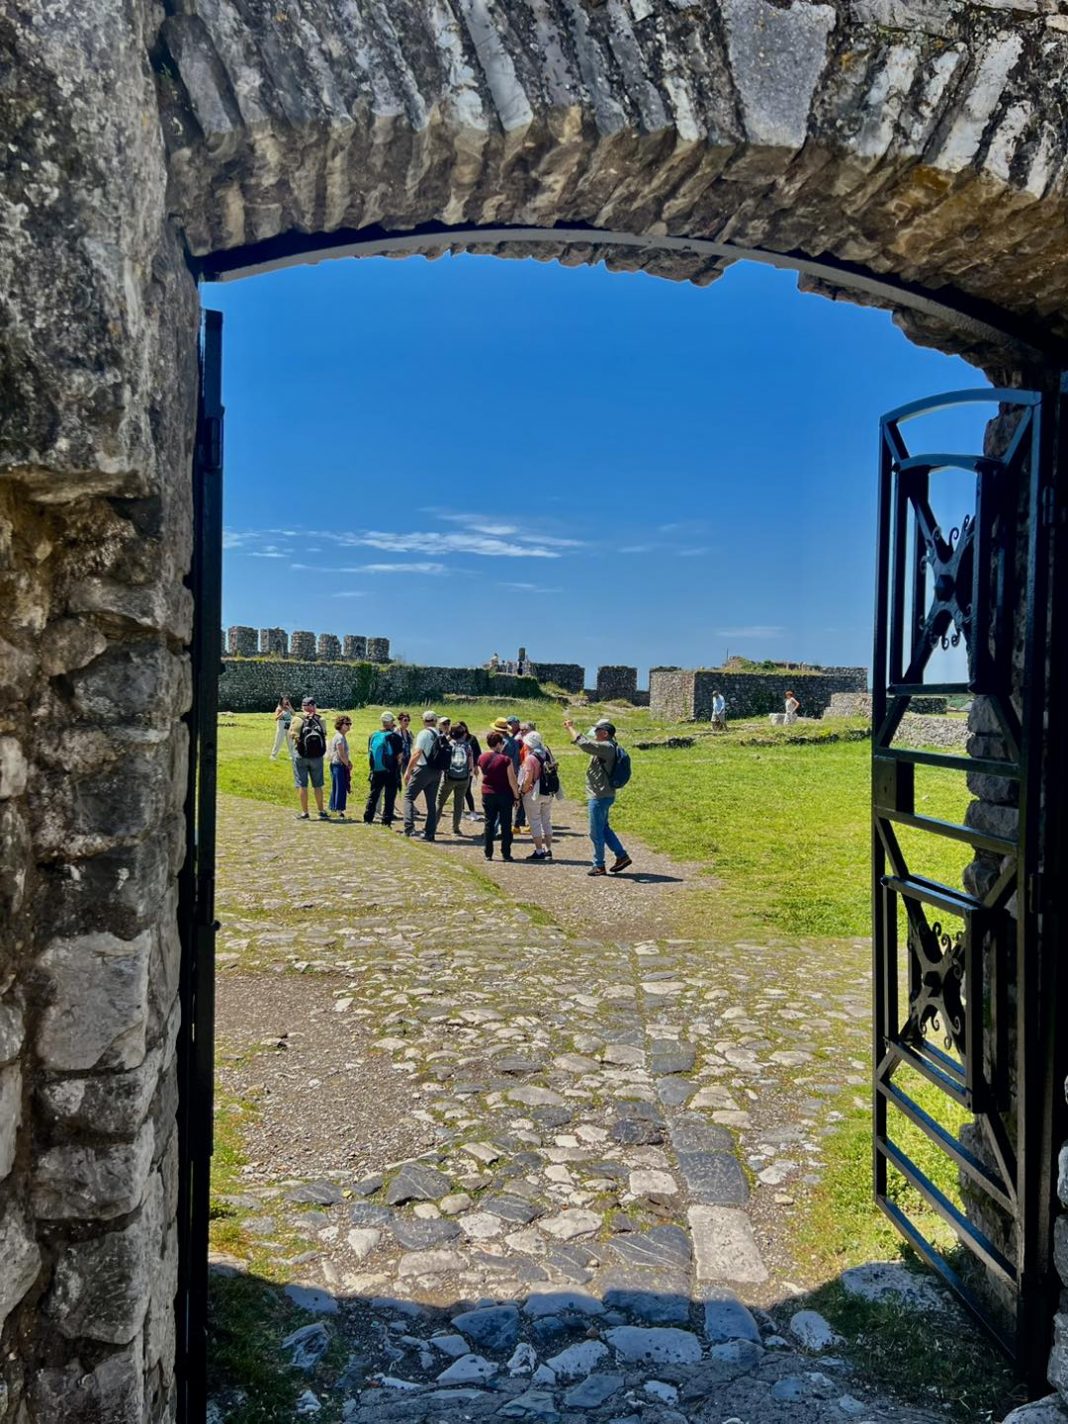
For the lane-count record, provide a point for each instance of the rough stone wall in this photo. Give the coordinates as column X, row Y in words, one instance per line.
column 570, row 676
column 671, row 693
column 686, row 695
column 328, row 648
column 255, row 686
column 97, row 369
column 858, row 704
column 302, row 645
column 616, row 684
column 354, row 646
column 378, row 650
column 274, row 642
column 241, row 642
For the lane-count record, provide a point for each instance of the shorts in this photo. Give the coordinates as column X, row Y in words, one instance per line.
column 303, row 767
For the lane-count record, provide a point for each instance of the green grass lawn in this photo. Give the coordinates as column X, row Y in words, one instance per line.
column 782, row 826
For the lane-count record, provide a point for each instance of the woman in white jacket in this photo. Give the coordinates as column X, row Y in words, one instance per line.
column 536, row 802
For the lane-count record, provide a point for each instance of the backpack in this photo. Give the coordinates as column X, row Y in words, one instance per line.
column 457, row 770
column 380, row 751
column 550, row 774
column 311, row 739
column 620, row 773
column 441, row 757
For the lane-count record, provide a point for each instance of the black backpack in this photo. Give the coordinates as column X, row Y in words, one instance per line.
column 311, row 739
column 550, row 774
column 440, row 757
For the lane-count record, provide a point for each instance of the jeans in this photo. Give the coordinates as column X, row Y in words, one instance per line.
column 497, row 810
column 601, row 833
column 424, row 782
column 339, row 786
column 456, row 790
column 383, row 783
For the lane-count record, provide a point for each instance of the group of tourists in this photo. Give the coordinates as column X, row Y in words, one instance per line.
column 443, row 764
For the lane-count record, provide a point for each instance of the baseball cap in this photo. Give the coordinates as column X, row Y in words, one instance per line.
column 608, row 726
column 307, row 701
column 512, row 721
column 388, row 717
column 429, row 716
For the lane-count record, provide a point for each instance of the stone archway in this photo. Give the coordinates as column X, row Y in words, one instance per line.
column 911, row 150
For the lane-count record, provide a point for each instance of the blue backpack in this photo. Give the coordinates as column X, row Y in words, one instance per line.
column 620, row 773
column 380, row 751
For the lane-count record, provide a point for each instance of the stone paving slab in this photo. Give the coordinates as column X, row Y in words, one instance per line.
column 558, row 1198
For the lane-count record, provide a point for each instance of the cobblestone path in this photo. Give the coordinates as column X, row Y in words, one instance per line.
column 519, row 1171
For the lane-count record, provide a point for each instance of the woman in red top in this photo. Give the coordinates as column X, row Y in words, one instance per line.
column 500, row 793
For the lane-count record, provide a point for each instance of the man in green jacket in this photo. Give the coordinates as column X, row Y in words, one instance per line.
column 599, row 745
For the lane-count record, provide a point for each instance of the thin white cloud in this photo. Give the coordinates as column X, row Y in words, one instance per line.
column 350, row 593
column 529, row 588
column 637, row 548
column 266, row 554
column 493, row 539
column 691, row 553
column 751, row 630
column 410, row 568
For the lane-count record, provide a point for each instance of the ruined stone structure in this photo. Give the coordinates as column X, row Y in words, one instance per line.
column 255, row 686
column 616, row 684
column 378, row 650
column 858, row 704
column 302, row 646
column 241, row 642
column 912, row 154
column 274, row 642
column 328, row 648
column 685, row 695
column 570, row 676
column 354, row 646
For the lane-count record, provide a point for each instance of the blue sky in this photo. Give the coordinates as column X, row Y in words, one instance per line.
column 472, row 454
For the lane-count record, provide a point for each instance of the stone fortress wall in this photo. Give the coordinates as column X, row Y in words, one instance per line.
column 239, row 641
column 685, row 694
column 256, row 684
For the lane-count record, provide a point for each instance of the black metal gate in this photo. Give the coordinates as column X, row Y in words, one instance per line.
column 966, row 983
column 197, row 892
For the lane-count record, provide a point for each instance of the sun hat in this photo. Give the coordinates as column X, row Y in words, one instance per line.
column 503, row 726
column 533, row 739
column 429, row 716
column 388, row 718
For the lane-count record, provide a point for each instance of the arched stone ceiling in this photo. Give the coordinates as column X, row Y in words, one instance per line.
column 921, row 140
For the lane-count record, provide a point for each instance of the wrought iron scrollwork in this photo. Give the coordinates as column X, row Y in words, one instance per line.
column 936, row 1001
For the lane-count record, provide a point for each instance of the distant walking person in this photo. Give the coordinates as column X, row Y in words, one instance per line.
column 790, row 707
column 500, row 792
column 385, row 749
column 719, row 712
column 538, row 783
column 283, row 716
column 307, row 734
column 340, row 766
column 458, row 774
column 430, row 756
column 599, row 744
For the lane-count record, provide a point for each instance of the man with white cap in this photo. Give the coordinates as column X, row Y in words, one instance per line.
column 384, row 751
column 422, row 776
column 599, row 744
